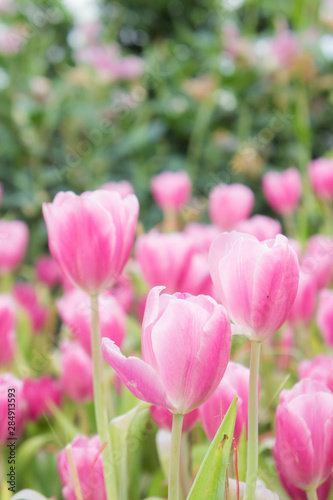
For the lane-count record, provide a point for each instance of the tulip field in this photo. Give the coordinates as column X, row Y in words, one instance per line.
column 166, row 250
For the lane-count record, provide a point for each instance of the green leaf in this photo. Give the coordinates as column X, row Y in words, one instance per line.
column 29, row 448
column 210, row 480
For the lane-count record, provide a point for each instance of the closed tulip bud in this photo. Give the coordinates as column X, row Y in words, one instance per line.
column 283, row 190
column 171, row 190
column 91, row 236
column 26, row 296
column 255, row 281
column 324, row 315
column 163, row 418
column 76, row 372
column 185, row 348
column 124, row 188
column 261, row 227
column 321, row 178
column 7, row 329
column 319, row 368
column 39, row 393
column 14, row 236
column 230, row 204
column 11, row 393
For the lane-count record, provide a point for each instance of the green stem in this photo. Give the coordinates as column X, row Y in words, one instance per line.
column 252, row 444
column 100, row 402
column 177, row 423
column 312, row 495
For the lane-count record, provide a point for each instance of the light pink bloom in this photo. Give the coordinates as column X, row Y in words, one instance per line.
column 91, row 236
column 318, row 259
column 26, row 297
column 255, row 281
column 321, row 177
column 14, row 236
column 185, row 348
column 38, row 393
column 11, row 39
column 163, row 418
column 171, row 190
column 89, row 467
column 261, row 227
column 75, row 311
column 305, row 302
column 285, row 48
column 324, row 315
column 48, row 271
column 283, row 190
column 7, row 329
column 304, row 434
column 124, row 188
column 124, row 293
column 8, row 381
column 202, row 235
column 283, row 345
column 229, row 204
column 76, row 372
column 319, row 368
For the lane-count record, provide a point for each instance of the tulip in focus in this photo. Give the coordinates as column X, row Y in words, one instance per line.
column 14, row 236
column 76, row 372
column 283, row 190
column 319, row 368
column 321, row 178
column 7, row 329
column 230, row 204
column 171, row 190
column 261, row 227
column 39, row 393
column 91, row 236
column 9, row 381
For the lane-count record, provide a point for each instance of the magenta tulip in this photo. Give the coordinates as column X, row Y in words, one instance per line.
column 255, row 281
column 319, row 368
column 230, row 204
column 185, row 347
column 76, row 377
column 261, row 227
column 283, row 190
column 171, row 190
column 163, row 418
column 26, row 297
column 39, row 393
column 91, row 236
column 7, row 329
column 321, row 177
column 48, row 271
column 14, row 236
column 11, row 388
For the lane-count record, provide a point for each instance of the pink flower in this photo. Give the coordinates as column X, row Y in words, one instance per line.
column 285, row 48
column 255, row 281
column 324, row 315
column 202, row 235
column 7, row 329
column 305, row 302
column 185, row 348
column 234, row 383
column 124, row 188
column 283, row 189
column 14, row 237
column 89, row 467
column 75, row 311
column 304, row 434
column 321, row 177
column 261, row 227
column 11, row 388
column 318, row 259
column 38, row 393
column 230, row 204
column 171, row 190
column 123, row 291
column 26, row 296
column 163, row 418
column 48, row 271
column 76, row 372
column 91, row 236
column 319, row 368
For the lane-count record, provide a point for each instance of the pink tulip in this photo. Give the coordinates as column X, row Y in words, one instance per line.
column 91, row 236
column 283, row 190
column 318, row 259
column 10, row 385
column 283, row 345
column 230, row 204
column 285, row 48
column 202, row 235
column 234, row 383
column 7, row 329
column 324, row 315
column 304, row 434
column 261, row 227
column 124, row 188
column 305, row 302
column 14, row 237
column 255, row 281
column 123, row 291
column 26, row 297
column 76, row 372
column 321, row 177
column 89, row 466
column 74, row 310
column 38, row 393
column 319, row 368
column 171, row 190
column 163, row 418
column 185, row 347
column 48, row 271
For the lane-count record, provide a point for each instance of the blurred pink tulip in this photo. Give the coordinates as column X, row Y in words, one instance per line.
column 304, row 434
column 38, row 393
column 91, row 236
column 261, row 227
column 75, row 311
column 89, row 466
column 76, row 372
column 7, row 329
column 12, row 38
column 319, row 368
column 185, row 347
column 285, row 48
column 321, row 177
column 318, row 259
column 235, row 382
column 255, row 281
column 171, row 190
column 124, row 188
column 283, row 190
column 48, row 271
column 202, row 235
column 14, row 236
column 163, row 418
column 324, row 315
column 26, row 297
column 10, row 385
column 305, row 302
column 229, row 204
column 124, row 293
